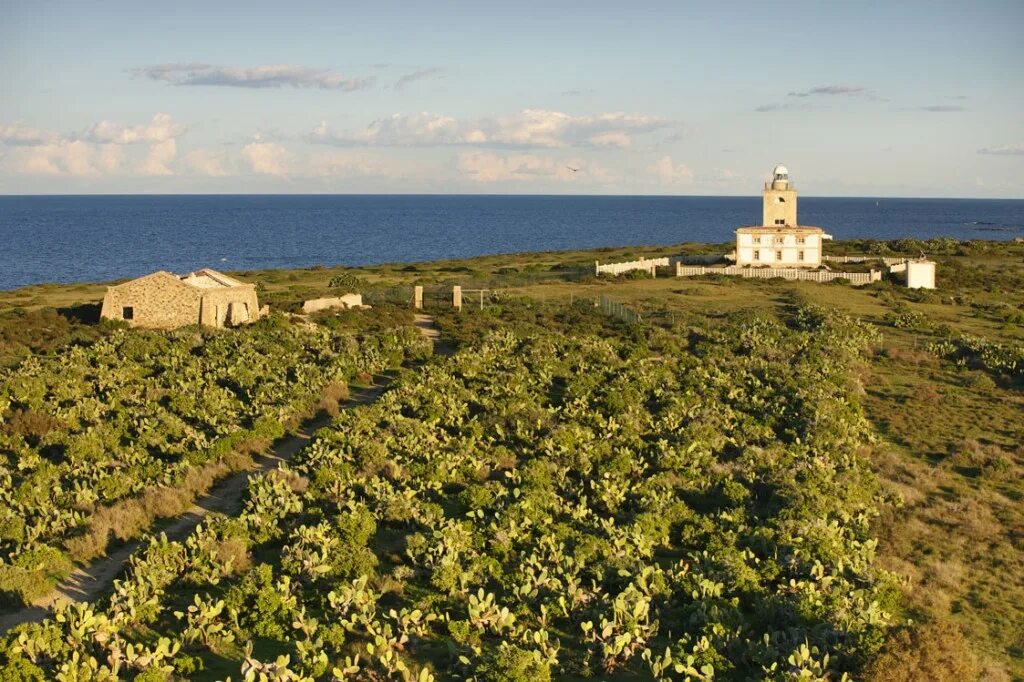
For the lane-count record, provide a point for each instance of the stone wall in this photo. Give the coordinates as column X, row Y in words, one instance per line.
column 229, row 306
column 160, row 300
column 346, row 301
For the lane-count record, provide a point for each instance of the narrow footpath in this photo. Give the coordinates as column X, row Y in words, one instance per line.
column 89, row 583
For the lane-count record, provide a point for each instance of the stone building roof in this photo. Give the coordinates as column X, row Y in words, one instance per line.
column 208, row 278
column 204, row 279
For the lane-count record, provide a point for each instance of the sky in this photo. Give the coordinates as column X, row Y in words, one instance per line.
column 910, row 98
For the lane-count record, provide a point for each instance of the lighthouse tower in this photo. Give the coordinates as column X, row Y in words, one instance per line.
column 779, row 199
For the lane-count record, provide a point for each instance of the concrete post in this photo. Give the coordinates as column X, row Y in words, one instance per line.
column 597, row 268
column 457, row 297
column 417, row 298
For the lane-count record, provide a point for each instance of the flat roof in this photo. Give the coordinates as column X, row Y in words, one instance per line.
column 784, row 229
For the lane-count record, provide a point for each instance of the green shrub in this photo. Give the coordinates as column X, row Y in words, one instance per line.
column 512, row 664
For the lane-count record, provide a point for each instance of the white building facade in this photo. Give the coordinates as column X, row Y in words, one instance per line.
column 780, row 241
column 921, row 274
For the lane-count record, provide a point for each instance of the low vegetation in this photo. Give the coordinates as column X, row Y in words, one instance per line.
column 102, row 438
column 532, row 507
column 675, row 507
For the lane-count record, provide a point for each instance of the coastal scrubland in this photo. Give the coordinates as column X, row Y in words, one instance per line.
column 761, row 479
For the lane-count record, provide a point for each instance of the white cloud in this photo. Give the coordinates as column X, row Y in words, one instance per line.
column 1004, row 150
column 539, row 128
column 530, row 128
column 109, row 158
column 669, row 172
column 99, row 150
column 266, row 158
column 160, row 154
column 160, row 129
column 19, row 135
column 265, row 76
column 614, row 138
column 60, row 158
column 206, row 162
column 349, row 165
column 491, row 167
column 404, row 130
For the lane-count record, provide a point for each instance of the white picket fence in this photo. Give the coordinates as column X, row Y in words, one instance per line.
column 855, row 278
column 861, row 259
column 648, row 264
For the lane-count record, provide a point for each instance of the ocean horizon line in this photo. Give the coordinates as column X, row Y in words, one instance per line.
column 877, row 197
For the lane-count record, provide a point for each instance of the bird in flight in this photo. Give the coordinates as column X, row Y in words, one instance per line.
column 574, row 170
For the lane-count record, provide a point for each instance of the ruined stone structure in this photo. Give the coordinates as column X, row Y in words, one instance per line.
column 342, row 302
column 779, row 241
column 164, row 300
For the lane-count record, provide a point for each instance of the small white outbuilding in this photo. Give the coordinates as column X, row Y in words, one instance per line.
column 920, row 274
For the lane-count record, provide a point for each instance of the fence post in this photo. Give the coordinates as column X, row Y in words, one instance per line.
column 457, row 297
column 417, row 297
column 597, row 268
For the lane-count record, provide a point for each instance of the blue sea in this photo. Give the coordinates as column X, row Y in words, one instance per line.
column 96, row 238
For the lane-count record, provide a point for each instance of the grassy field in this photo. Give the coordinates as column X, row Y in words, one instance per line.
column 950, row 441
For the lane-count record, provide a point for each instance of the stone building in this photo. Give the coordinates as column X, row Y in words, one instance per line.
column 779, row 241
column 164, row 300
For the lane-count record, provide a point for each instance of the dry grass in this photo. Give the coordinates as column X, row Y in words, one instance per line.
column 334, row 394
column 130, row 518
column 297, row 482
column 29, row 424
column 911, row 355
column 958, row 465
column 925, row 653
column 235, row 554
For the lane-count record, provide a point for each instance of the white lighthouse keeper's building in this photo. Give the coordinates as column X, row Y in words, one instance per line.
column 779, row 241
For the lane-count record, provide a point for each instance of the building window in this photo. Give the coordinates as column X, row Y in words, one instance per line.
column 800, row 240
column 780, row 200
column 757, row 254
column 780, row 240
column 780, row 221
column 128, row 313
column 799, row 255
column 778, row 255
column 757, row 240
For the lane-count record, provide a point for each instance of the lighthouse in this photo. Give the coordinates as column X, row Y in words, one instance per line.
column 779, row 241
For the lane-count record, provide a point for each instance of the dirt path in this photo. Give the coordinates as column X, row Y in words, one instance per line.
column 428, row 327
column 88, row 583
